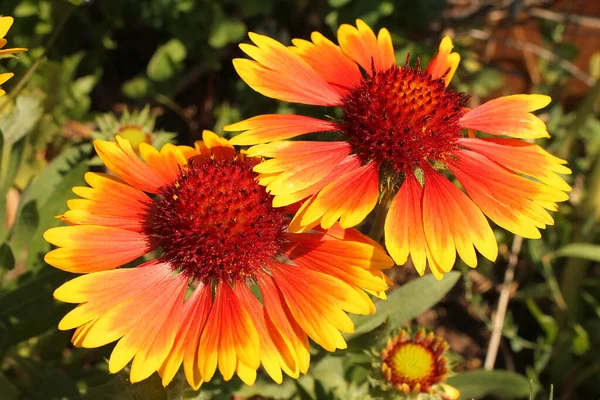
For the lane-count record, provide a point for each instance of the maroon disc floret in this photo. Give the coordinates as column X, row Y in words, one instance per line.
column 215, row 221
column 402, row 117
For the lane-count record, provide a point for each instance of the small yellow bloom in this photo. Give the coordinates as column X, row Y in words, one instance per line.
column 417, row 365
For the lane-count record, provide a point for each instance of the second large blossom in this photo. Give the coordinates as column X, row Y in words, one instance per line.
column 401, row 138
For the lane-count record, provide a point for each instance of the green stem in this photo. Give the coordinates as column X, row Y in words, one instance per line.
column 378, row 226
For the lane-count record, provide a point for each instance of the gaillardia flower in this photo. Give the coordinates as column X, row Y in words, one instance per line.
column 416, row 365
column 5, row 24
column 401, row 135
column 227, row 286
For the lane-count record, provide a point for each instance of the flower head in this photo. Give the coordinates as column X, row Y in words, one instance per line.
column 416, row 365
column 401, row 136
column 215, row 243
column 5, row 24
column 135, row 126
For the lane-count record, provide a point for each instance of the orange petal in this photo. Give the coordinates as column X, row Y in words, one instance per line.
column 185, row 346
column 109, row 202
column 300, row 164
column 348, row 250
column 218, row 146
column 362, row 46
column 404, row 234
column 348, row 164
column 272, row 358
column 271, row 127
column 317, row 303
column 349, row 199
column 452, row 223
column 167, row 163
column 329, row 61
column 282, row 74
column 120, row 158
column 229, row 336
column 522, row 157
column 140, row 305
column 509, row 116
column 346, row 262
column 285, row 332
column 150, row 342
column 83, row 248
column 511, row 201
column 445, row 62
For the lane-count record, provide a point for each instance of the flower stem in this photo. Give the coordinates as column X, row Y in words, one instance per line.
column 381, row 210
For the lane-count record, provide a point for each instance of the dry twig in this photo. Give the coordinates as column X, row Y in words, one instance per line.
column 498, row 320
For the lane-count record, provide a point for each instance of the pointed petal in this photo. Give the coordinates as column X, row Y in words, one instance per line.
column 348, row 164
column 445, row 62
column 185, row 346
column 5, row 77
column 271, row 127
column 282, row 74
column 299, row 164
column 270, row 356
column 83, row 248
column 5, row 24
column 229, row 336
column 509, row 116
column 329, row 61
column 120, row 158
column 109, row 202
column 342, row 260
column 349, row 199
column 220, row 147
column 317, row 302
column 522, row 157
column 289, row 337
column 360, row 44
column 452, row 223
column 404, row 234
column 511, row 201
column 167, row 163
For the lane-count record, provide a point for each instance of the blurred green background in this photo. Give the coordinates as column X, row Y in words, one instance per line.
column 171, row 61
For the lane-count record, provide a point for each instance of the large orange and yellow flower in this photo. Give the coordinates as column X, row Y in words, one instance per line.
column 400, row 137
column 5, row 24
column 218, row 246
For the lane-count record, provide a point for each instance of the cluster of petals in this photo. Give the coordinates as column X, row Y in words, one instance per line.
column 5, row 24
column 161, row 318
column 509, row 180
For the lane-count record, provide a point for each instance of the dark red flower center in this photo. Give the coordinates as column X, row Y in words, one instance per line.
column 402, row 117
column 215, row 221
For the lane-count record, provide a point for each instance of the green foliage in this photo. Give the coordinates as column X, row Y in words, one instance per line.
column 501, row 384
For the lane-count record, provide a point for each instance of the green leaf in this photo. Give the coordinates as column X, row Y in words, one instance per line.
column 581, row 340
column 406, row 302
column 25, row 227
column 7, row 259
column 480, row 383
column 21, row 120
column 166, row 60
column 29, row 309
column 586, row 251
column 43, row 185
column 54, row 205
column 10, row 163
column 225, row 32
column 137, row 88
column 338, row 3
